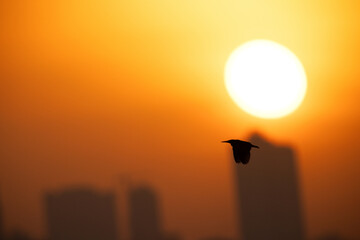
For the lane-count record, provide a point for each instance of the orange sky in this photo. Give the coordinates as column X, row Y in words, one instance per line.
column 85, row 83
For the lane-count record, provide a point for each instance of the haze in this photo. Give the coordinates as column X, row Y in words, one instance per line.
column 96, row 92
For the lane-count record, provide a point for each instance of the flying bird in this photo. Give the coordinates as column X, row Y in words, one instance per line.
column 241, row 150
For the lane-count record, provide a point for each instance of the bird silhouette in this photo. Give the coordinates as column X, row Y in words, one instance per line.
column 241, row 150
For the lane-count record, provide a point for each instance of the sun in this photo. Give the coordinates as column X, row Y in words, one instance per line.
column 265, row 79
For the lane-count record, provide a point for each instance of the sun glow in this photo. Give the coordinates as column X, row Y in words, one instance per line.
column 265, row 79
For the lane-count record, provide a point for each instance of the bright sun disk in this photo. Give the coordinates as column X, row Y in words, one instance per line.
column 265, row 79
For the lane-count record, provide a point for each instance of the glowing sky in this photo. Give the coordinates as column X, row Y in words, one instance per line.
column 84, row 84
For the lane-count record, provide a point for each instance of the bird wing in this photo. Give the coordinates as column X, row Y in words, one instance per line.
column 241, row 155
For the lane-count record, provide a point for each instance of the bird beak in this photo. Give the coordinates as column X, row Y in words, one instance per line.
column 254, row 146
column 225, row 141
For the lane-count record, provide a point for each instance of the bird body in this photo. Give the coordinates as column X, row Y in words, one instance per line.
column 241, row 150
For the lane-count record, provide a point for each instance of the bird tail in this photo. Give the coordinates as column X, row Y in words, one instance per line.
column 254, row 146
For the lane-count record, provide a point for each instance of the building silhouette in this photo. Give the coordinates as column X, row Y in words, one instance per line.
column 268, row 194
column 145, row 220
column 82, row 213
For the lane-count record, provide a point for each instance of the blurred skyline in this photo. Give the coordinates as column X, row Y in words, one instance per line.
column 81, row 213
column 269, row 199
column 95, row 90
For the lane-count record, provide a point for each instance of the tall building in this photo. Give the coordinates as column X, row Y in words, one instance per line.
column 145, row 222
column 81, row 214
column 268, row 194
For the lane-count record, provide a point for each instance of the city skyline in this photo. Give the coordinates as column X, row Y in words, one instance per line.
column 269, row 192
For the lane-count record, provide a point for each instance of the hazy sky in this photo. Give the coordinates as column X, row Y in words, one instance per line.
column 92, row 90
